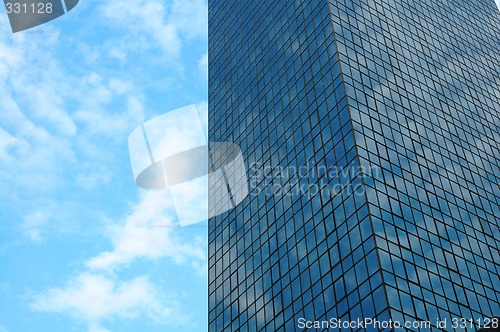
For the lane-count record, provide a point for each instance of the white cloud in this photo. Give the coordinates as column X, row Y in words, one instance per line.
column 190, row 18
column 33, row 74
column 34, row 121
column 43, row 101
column 60, row 126
column 95, row 298
column 96, row 97
column 6, row 141
column 148, row 232
column 33, row 225
column 120, row 86
column 119, row 54
column 51, row 115
column 152, row 24
column 498, row 3
column 30, row 150
column 99, row 294
column 91, row 176
column 145, row 19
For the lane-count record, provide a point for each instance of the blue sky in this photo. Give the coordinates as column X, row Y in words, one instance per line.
column 78, row 247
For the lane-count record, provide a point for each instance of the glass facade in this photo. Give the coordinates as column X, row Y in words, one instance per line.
column 371, row 133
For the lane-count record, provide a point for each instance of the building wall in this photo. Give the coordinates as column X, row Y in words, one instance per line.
column 276, row 90
column 396, row 97
column 423, row 85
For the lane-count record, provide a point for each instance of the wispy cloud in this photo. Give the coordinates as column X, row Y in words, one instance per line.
column 51, row 117
column 96, row 298
column 34, row 127
column 146, row 25
column 66, row 114
column 33, row 225
column 99, row 294
column 190, row 18
column 147, row 232
column 95, row 97
column 146, row 20
column 91, row 177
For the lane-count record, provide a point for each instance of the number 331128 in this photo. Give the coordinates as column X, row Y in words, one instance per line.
column 18, row 8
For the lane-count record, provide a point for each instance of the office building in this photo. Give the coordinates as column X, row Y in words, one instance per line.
column 371, row 133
